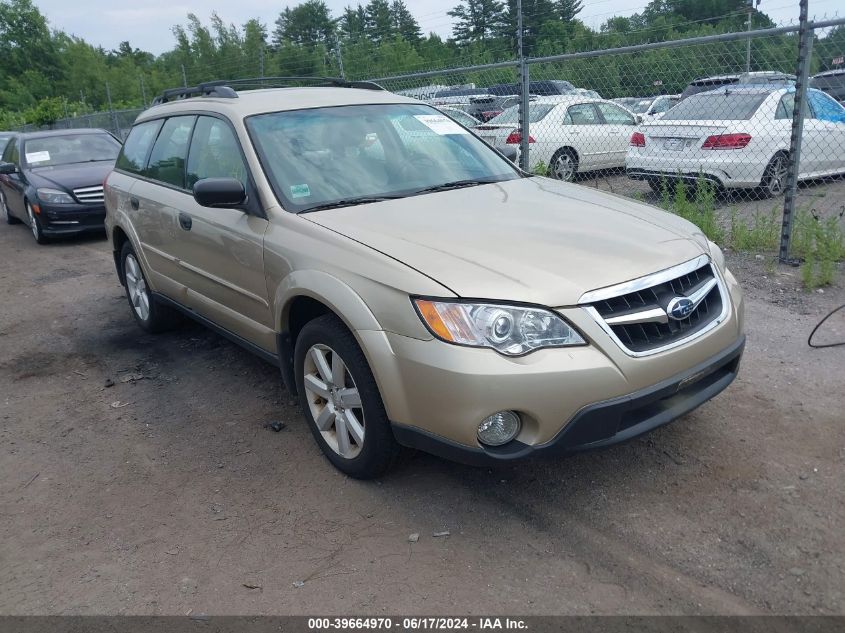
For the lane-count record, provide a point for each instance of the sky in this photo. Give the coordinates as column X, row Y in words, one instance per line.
column 146, row 24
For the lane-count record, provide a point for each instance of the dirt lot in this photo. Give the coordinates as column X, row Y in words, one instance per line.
column 166, row 492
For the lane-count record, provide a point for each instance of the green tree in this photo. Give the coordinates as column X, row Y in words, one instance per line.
column 477, row 20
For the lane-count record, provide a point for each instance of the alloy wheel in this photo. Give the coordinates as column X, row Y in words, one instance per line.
column 334, row 401
column 776, row 176
column 33, row 224
column 137, row 287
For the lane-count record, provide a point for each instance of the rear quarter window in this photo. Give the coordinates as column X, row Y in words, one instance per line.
column 133, row 156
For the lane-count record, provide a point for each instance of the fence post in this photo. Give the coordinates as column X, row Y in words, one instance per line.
column 261, row 61
column 524, row 159
column 184, row 77
column 805, row 56
column 114, row 124
column 339, row 56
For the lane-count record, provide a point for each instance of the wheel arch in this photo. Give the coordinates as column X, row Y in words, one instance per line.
column 305, row 295
column 119, row 238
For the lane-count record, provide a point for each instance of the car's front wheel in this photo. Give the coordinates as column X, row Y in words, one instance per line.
column 10, row 219
column 149, row 313
column 34, row 226
column 340, row 400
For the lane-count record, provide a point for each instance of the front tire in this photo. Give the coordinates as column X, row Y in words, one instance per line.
column 34, row 226
column 564, row 165
column 10, row 219
column 151, row 315
column 340, row 400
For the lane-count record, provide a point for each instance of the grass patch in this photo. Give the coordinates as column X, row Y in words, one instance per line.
column 696, row 203
column 821, row 244
column 540, row 169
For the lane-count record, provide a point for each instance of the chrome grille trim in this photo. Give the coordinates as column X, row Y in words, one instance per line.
column 89, row 194
column 649, row 281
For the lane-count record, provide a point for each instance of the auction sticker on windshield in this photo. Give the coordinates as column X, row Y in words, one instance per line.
column 38, row 157
column 300, row 191
column 440, row 123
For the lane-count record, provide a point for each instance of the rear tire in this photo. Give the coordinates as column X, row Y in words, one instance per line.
column 150, row 314
column 10, row 219
column 341, row 401
column 564, row 165
column 773, row 183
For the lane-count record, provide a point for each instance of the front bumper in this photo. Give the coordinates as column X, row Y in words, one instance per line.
column 602, row 424
column 71, row 219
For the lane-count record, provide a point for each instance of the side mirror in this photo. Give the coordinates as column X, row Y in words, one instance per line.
column 226, row 193
column 8, row 168
column 638, row 118
column 509, row 152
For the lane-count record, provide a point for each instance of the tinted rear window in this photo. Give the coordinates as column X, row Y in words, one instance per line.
column 716, row 106
column 134, row 154
column 703, row 86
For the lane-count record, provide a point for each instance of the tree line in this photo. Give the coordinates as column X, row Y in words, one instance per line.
column 48, row 74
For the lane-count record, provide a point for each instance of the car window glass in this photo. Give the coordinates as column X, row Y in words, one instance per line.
column 11, row 153
column 719, row 105
column 582, row 114
column 536, row 112
column 825, row 108
column 215, row 153
column 325, row 155
column 614, row 115
column 787, row 105
column 167, row 161
column 134, row 153
column 69, row 149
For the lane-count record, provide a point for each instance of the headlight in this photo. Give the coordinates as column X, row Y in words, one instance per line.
column 54, row 196
column 510, row 330
column 717, row 255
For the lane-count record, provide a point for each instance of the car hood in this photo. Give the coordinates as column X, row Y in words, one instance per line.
column 69, row 177
column 532, row 240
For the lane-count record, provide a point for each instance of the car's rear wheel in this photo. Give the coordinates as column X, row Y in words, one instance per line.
column 774, row 178
column 34, row 226
column 10, row 219
column 564, row 165
column 149, row 313
column 340, row 400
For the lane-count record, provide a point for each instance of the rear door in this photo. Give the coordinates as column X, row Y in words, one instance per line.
column 828, row 123
column 583, row 130
column 616, row 132
column 14, row 184
column 221, row 251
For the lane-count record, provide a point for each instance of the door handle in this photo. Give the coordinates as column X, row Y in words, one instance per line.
column 133, row 202
column 185, row 221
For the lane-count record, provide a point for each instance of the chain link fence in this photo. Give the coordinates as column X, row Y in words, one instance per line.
column 742, row 133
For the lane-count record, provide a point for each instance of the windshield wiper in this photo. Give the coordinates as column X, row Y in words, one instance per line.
column 349, row 202
column 455, row 184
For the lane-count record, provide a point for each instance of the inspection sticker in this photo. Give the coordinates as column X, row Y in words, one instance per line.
column 37, row 157
column 440, row 123
column 300, row 191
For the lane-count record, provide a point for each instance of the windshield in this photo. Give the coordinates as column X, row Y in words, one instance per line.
column 720, row 105
column 536, row 112
column 639, row 107
column 49, row 151
column 343, row 155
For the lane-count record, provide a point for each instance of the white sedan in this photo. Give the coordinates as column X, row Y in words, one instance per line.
column 738, row 137
column 568, row 133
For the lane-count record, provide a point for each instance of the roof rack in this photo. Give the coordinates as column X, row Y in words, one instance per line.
column 222, row 87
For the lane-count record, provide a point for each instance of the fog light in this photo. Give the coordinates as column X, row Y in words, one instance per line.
column 499, row 428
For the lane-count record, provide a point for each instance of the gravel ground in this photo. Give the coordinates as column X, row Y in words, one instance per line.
column 166, row 492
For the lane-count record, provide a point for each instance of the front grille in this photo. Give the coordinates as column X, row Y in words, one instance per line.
column 89, row 195
column 640, row 321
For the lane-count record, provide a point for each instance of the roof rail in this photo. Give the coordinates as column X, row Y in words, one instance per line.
column 336, row 82
column 203, row 90
column 222, row 87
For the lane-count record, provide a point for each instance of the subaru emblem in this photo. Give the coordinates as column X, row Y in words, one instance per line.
column 680, row 308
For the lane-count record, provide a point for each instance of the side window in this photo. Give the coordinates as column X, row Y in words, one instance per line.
column 787, row 105
column 582, row 114
column 661, row 105
column 825, row 108
column 215, row 153
column 11, row 154
column 614, row 115
column 133, row 155
column 167, row 160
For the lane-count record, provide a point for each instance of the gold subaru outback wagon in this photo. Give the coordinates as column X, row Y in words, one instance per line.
column 414, row 287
